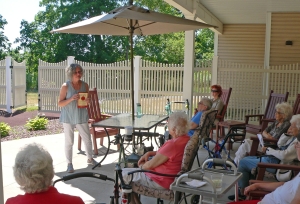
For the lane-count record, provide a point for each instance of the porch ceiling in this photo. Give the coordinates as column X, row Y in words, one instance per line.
column 247, row 11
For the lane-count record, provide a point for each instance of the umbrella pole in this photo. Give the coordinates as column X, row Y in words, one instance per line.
column 132, row 69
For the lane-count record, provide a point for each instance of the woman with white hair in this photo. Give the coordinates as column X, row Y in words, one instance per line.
column 33, row 171
column 281, row 192
column 166, row 160
column 283, row 114
column 71, row 116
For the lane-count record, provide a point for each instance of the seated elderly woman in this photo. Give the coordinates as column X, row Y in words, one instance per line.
column 283, row 192
column 285, row 154
column 33, row 171
column 204, row 105
column 283, row 114
column 166, row 160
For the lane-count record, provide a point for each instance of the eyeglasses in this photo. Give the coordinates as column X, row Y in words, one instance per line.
column 278, row 113
column 297, row 145
column 214, row 90
column 201, row 103
column 78, row 72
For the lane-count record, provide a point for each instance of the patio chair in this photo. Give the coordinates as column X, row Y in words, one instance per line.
column 226, row 93
column 296, row 107
column 255, row 143
column 268, row 116
column 259, row 194
column 95, row 116
column 189, row 154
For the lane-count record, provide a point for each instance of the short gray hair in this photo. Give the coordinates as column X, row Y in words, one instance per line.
column 179, row 122
column 207, row 102
column 296, row 119
column 286, row 109
column 33, row 169
column 71, row 69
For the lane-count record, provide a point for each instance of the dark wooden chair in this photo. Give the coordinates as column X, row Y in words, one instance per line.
column 259, row 194
column 269, row 114
column 296, row 107
column 255, row 143
column 225, row 98
column 95, row 116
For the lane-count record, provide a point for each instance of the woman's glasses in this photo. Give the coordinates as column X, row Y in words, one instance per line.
column 277, row 112
column 297, row 144
column 78, row 72
column 214, row 90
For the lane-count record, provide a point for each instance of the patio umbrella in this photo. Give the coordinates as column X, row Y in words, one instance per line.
column 132, row 20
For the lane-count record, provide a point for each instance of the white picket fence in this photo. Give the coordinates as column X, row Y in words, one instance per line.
column 157, row 82
column 12, row 84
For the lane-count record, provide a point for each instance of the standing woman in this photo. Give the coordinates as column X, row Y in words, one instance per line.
column 71, row 116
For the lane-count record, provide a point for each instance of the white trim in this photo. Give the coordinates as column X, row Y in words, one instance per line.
column 8, row 84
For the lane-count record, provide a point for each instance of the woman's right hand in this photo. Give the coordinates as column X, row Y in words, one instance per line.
column 143, row 159
column 75, row 97
column 250, row 188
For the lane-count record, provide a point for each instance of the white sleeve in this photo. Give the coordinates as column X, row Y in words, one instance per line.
column 285, row 156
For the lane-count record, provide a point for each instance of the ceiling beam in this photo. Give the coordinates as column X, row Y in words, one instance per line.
column 193, row 9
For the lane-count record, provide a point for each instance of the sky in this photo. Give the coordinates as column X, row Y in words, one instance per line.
column 14, row 11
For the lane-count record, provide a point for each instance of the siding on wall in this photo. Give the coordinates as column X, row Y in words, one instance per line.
column 285, row 26
column 243, row 43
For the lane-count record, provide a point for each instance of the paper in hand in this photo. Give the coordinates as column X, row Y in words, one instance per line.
column 81, row 103
column 261, row 140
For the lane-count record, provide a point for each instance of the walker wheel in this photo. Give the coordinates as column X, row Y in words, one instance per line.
column 195, row 199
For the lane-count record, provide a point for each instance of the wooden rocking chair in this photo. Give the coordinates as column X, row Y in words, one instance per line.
column 269, row 114
column 225, row 98
column 95, row 116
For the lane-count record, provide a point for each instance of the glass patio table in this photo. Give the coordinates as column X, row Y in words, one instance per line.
column 142, row 122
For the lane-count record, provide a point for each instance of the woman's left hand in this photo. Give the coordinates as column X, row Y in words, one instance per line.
column 87, row 100
column 264, row 149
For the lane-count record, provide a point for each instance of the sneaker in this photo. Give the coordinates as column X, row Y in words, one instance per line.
column 70, row 168
column 92, row 162
column 241, row 197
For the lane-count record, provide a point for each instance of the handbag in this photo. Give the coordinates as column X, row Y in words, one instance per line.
column 283, row 175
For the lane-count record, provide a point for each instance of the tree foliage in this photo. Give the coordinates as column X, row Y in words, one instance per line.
column 38, row 43
column 4, row 43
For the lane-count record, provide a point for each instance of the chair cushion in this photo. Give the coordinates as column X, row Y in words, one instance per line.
column 139, row 188
column 189, row 154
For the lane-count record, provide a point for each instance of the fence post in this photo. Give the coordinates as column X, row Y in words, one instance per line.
column 137, row 79
column 8, row 84
column 188, row 76
column 70, row 59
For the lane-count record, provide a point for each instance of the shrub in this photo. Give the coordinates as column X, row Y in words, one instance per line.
column 4, row 129
column 37, row 123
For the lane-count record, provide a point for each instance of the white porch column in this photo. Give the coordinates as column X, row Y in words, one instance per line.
column 8, row 84
column 189, row 59
column 137, row 63
column 214, row 72
column 70, row 59
column 267, row 54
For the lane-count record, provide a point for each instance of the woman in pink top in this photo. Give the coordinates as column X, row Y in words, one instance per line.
column 34, row 172
column 166, row 160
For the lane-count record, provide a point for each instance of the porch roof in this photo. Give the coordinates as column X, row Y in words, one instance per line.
column 219, row 12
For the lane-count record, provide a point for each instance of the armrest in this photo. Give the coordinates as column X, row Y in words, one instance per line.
column 153, row 172
column 250, row 116
column 104, row 116
column 258, row 181
column 255, row 138
column 263, row 166
column 92, row 121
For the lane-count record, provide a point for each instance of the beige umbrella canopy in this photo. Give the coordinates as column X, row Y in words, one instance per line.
column 132, row 20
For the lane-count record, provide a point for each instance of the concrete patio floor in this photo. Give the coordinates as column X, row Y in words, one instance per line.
column 89, row 189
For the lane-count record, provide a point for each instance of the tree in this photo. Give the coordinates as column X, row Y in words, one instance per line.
column 4, row 42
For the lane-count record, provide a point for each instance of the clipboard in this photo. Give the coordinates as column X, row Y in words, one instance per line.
column 81, row 103
column 261, row 140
